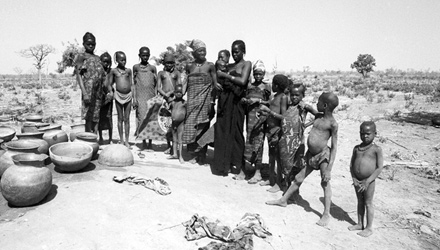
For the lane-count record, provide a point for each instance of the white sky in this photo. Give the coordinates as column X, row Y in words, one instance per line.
column 325, row 35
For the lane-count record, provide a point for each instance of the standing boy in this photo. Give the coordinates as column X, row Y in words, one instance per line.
column 366, row 165
column 319, row 156
column 178, row 113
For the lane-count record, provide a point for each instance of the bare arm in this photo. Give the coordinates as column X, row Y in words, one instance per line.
column 133, row 89
column 311, row 110
column 355, row 180
column 159, row 85
column 79, row 60
column 379, row 165
column 243, row 79
column 215, row 84
column 334, row 143
column 110, row 79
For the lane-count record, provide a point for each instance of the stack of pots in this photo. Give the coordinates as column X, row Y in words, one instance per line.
column 53, row 134
column 76, row 128
column 89, row 139
column 36, row 137
column 13, row 148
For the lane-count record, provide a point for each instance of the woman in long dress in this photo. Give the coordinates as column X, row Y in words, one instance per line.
column 229, row 139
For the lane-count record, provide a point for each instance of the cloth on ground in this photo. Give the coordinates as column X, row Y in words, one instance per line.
column 158, row 185
column 239, row 238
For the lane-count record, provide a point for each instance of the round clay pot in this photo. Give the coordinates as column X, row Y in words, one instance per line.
column 27, row 182
column 75, row 129
column 116, row 155
column 71, row 157
column 35, row 137
column 7, row 133
column 90, row 139
column 5, row 118
column 14, row 148
column 34, row 118
column 53, row 134
column 33, row 126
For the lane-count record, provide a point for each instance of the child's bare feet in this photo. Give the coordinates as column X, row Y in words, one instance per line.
column 274, row 189
column 255, row 180
column 355, row 227
column 193, row 160
column 366, row 232
column 265, row 183
column 278, row 202
column 167, row 151
column 172, row 157
column 181, row 160
column 323, row 222
column 240, row 176
column 127, row 144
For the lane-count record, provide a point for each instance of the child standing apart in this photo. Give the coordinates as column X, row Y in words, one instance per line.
column 167, row 80
column 275, row 114
column 366, row 165
column 178, row 113
column 144, row 76
column 124, row 94
column 319, row 156
column 106, row 112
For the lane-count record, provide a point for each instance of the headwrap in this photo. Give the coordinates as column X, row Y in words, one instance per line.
column 168, row 57
column 87, row 36
column 197, row 44
column 259, row 65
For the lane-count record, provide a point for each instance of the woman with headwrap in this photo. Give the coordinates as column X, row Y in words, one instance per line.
column 90, row 76
column 229, row 140
column 257, row 94
column 201, row 80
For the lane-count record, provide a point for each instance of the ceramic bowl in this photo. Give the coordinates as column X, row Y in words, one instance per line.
column 36, row 160
column 70, row 157
column 34, row 118
column 6, row 133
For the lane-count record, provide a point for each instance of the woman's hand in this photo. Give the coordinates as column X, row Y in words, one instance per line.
column 218, row 86
column 86, row 98
column 264, row 109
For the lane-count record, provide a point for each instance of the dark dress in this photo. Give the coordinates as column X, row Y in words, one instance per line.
column 228, row 138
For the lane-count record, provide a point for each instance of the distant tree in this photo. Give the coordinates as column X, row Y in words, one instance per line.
column 180, row 52
column 364, row 64
column 72, row 49
column 39, row 53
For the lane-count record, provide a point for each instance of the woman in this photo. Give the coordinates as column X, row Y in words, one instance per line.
column 90, row 76
column 229, row 140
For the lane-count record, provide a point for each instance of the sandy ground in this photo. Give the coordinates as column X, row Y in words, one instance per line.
column 88, row 210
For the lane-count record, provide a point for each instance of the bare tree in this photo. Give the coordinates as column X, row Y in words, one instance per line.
column 39, row 53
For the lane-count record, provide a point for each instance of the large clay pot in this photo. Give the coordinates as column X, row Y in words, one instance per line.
column 70, row 157
column 14, row 148
column 116, row 155
column 7, row 133
column 75, row 129
column 35, row 137
column 53, row 134
column 27, row 182
column 34, row 118
column 33, row 126
column 90, row 139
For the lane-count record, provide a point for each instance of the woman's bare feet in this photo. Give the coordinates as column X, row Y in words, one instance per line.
column 172, row 157
column 366, row 232
column 355, row 227
column 274, row 189
column 323, row 222
column 279, row 202
column 265, row 183
column 181, row 160
column 240, row 176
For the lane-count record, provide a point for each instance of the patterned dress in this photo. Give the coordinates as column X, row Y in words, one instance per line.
column 255, row 130
column 93, row 75
column 148, row 104
column 292, row 137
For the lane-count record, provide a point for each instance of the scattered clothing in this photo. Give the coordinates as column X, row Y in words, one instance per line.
column 123, row 98
column 239, row 238
column 158, row 185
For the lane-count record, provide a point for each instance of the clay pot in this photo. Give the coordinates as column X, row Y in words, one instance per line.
column 7, row 133
column 71, row 157
column 14, row 148
column 90, row 139
column 27, row 182
column 34, row 118
column 35, row 137
column 33, row 126
column 53, row 134
column 5, row 119
column 116, row 155
column 75, row 129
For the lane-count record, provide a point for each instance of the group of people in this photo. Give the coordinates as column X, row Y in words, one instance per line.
column 277, row 113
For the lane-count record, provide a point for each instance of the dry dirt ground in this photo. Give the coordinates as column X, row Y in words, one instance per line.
column 87, row 210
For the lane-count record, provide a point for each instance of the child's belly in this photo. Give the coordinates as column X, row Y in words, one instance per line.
column 123, row 87
column 363, row 169
column 178, row 115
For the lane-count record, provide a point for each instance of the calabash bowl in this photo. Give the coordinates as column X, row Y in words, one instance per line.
column 70, row 157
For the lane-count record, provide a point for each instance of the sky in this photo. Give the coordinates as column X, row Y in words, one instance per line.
column 288, row 34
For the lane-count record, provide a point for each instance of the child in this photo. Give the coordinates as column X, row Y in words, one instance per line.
column 90, row 76
column 278, row 106
column 123, row 95
column 178, row 113
column 291, row 145
column 319, row 155
column 224, row 56
column 145, row 77
column 167, row 80
column 257, row 93
column 366, row 165
column 105, row 114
